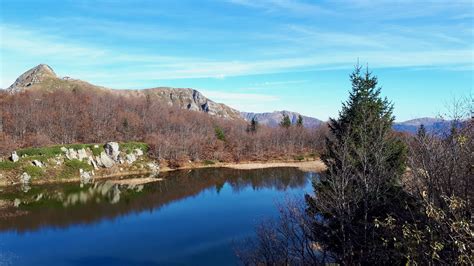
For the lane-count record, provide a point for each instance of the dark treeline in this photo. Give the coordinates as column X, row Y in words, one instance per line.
column 35, row 118
column 385, row 199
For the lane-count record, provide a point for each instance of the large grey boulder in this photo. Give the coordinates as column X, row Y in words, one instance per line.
column 112, row 150
column 82, row 154
column 38, row 163
column 92, row 162
column 138, row 152
column 105, row 160
column 130, row 158
column 15, row 158
column 71, row 154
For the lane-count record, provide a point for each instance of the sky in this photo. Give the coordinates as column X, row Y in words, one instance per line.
column 253, row 55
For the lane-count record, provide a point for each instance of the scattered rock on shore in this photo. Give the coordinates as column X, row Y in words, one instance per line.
column 130, row 158
column 15, row 158
column 82, row 154
column 138, row 152
column 153, row 167
column 38, row 163
column 71, row 154
column 105, row 160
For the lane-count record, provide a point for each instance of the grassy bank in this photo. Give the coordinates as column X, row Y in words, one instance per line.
column 57, row 167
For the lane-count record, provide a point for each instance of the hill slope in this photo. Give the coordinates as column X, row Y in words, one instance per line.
column 42, row 77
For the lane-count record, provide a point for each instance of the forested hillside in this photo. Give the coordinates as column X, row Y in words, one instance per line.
column 41, row 118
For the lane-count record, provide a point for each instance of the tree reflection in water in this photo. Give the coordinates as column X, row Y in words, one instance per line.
column 70, row 204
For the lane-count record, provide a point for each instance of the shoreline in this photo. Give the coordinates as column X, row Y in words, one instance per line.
column 306, row 166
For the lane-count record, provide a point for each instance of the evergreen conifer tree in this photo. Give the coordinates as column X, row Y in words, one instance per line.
column 285, row 121
column 299, row 122
column 364, row 163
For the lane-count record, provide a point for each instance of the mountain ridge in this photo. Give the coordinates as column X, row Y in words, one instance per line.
column 274, row 118
column 43, row 77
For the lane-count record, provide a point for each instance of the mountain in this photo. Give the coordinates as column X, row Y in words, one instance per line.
column 434, row 125
column 273, row 119
column 43, row 78
column 31, row 77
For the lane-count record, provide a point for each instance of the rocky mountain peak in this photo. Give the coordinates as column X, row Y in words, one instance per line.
column 32, row 76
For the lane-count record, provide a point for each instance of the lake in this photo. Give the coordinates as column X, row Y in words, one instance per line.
column 194, row 217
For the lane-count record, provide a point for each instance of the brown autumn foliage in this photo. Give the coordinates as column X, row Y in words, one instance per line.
column 35, row 118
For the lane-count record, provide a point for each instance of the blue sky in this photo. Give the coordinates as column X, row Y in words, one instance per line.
column 252, row 55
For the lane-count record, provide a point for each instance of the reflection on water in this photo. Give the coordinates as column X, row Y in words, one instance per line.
column 70, row 203
column 203, row 200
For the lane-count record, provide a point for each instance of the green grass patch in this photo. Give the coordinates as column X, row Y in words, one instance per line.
column 33, row 171
column 208, row 162
column 8, row 165
column 71, row 168
column 76, row 165
column 299, row 157
column 97, row 151
column 129, row 147
column 47, row 152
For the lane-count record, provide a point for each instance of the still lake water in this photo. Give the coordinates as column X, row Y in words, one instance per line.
column 190, row 218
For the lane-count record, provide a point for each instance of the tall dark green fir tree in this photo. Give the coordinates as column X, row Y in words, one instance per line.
column 364, row 165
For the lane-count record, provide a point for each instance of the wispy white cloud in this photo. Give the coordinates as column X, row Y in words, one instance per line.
column 287, row 6
column 114, row 66
column 242, row 101
column 39, row 43
column 278, row 83
column 236, row 96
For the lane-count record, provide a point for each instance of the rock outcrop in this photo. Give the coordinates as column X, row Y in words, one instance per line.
column 71, row 154
column 138, row 152
column 112, row 150
column 130, row 158
column 82, row 154
column 33, row 76
column 37, row 163
column 104, row 160
column 110, row 157
column 14, row 157
column 189, row 99
column 43, row 78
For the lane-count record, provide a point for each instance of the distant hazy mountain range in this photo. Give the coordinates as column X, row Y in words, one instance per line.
column 43, row 77
column 273, row 119
column 431, row 125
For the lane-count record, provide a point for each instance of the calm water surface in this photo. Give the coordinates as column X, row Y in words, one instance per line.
column 190, row 218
